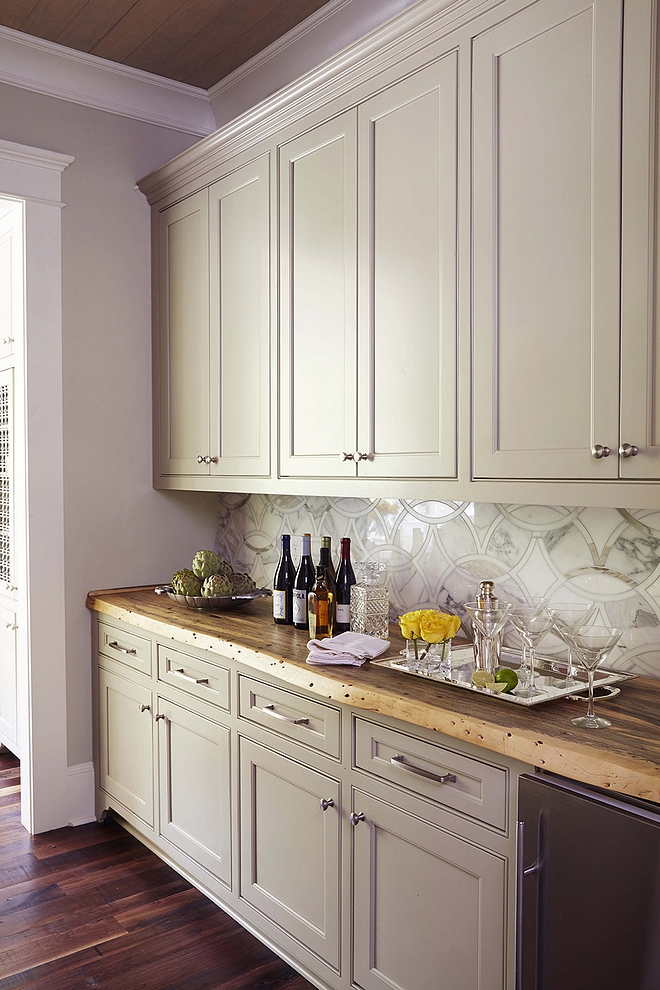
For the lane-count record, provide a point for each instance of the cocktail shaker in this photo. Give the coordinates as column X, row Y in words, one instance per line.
column 487, row 655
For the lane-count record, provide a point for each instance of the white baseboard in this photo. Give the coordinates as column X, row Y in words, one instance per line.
column 80, row 788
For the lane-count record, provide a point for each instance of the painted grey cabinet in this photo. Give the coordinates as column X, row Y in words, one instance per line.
column 290, row 852
column 447, row 929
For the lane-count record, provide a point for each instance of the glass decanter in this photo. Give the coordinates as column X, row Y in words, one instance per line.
column 370, row 601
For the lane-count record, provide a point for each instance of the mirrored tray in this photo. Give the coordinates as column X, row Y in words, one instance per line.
column 221, row 604
column 550, row 674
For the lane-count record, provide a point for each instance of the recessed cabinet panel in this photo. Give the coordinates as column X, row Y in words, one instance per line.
column 126, row 746
column 318, row 301
column 240, row 372
column 193, row 758
column 11, row 279
column 290, row 863
column 8, row 702
column 546, row 140
column 184, row 336
column 447, row 929
column 408, row 279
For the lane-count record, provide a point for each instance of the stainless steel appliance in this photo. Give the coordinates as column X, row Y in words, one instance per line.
column 588, row 888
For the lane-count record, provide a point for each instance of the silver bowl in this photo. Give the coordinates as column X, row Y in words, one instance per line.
column 221, row 604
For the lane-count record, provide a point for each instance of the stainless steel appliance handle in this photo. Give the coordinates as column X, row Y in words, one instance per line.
column 122, row 649
column 521, row 873
column 400, row 762
column 270, row 710
column 189, row 677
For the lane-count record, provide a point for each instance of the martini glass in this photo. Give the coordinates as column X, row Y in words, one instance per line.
column 532, row 621
column 565, row 615
column 591, row 645
column 489, row 622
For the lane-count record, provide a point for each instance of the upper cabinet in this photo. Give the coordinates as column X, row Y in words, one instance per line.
column 546, row 174
column 368, row 239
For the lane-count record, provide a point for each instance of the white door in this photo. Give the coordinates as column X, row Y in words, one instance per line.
column 8, row 698
column 183, row 280
column 408, row 155
column 546, row 202
column 239, row 229
column 126, row 744
column 444, row 931
column 640, row 214
column 193, row 760
column 318, row 178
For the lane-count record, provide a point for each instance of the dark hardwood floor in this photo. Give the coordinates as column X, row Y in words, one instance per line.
column 91, row 907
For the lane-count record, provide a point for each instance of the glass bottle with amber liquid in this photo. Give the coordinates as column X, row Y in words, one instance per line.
column 321, row 607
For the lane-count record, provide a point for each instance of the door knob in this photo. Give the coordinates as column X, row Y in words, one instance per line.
column 326, row 803
column 628, row 450
column 599, row 451
column 355, row 817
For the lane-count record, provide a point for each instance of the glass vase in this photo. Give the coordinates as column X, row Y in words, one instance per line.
column 430, row 658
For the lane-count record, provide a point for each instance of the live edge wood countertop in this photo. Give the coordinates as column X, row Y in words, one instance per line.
column 625, row 757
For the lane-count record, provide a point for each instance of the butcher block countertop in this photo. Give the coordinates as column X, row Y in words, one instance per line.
column 625, row 757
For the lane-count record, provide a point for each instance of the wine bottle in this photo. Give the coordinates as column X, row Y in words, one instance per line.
column 326, row 564
column 303, row 584
column 321, row 606
column 283, row 585
column 345, row 580
column 326, row 541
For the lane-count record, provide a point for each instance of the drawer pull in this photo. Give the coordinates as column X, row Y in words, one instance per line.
column 270, row 710
column 122, row 649
column 326, row 803
column 145, row 708
column 158, row 717
column 446, row 778
column 196, row 680
column 356, row 817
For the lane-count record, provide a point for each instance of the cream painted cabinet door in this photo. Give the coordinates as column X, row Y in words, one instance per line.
column 11, row 278
column 640, row 280
column 193, row 762
column 184, row 355
column 126, row 747
column 318, row 271
column 8, row 699
column 290, row 854
column 239, row 229
column 408, row 155
column 447, row 929
column 546, row 207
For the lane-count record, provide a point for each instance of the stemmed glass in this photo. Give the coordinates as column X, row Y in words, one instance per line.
column 592, row 644
column 489, row 622
column 531, row 619
column 568, row 614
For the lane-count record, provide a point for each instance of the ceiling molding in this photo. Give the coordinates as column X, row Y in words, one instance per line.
column 53, row 70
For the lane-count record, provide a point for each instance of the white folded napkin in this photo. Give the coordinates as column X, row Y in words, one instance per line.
column 349, row 648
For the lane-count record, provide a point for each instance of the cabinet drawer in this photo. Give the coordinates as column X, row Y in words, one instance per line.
column 478, row 790
column 194, row 676
column 308, row 722
column 119, row 644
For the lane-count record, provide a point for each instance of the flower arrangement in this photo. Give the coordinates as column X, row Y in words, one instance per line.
column 431, row 626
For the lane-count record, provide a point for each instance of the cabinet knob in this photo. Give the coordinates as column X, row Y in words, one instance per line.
column 158, row 717
column 355, row 456
column 326, row 803
column 628, row 450
column 200, row 458
column 145, row 708
column 599, row 451
column 208, row 459
column 355, row 817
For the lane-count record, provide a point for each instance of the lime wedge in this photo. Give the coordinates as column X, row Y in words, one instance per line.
column 482, row 679
column 507, row 677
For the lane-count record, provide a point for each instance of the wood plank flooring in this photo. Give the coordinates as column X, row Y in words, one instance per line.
column 91, row 907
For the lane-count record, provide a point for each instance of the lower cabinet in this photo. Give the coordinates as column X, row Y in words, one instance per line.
column 193, row 772
column 126, row 747
column 290, row 850
column 444, row 930
column 8, row 680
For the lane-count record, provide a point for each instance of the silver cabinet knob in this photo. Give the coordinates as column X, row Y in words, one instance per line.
column 7, row 340
column 326, row 803
column 200, row 458
column 599, row 451
column 158, row 717
column 213, row 460
column 145, row 708
column 355, row 817
column 346, row 457
column 628, row 450
column 355, row 456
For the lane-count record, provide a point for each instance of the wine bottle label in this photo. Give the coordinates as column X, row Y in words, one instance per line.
column 343, row 613
column 279, row 605
column 299, row 605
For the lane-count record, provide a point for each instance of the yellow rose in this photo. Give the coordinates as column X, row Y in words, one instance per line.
column 410, row 624
column 435, row 627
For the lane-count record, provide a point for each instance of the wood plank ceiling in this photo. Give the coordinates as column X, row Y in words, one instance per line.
column 195, row 41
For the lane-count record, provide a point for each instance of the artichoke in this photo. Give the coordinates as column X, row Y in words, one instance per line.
column 185, row 582
column 205, row 563
column 242, row 584
column 224, row 567
column 216, row 586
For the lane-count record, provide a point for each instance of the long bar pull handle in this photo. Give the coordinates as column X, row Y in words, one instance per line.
column 122, row 649
column 195, row 680
column 400, row 762
column 270, row 710
column 521, row 872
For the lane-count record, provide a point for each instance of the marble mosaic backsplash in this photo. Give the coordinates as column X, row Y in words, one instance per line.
column 436, row 553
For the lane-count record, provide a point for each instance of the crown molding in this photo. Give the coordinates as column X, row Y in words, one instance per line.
column 53, row 70
column 24, row 155
column 416, row 27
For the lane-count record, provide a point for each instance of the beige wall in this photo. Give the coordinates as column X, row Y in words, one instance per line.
column 118, row 530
